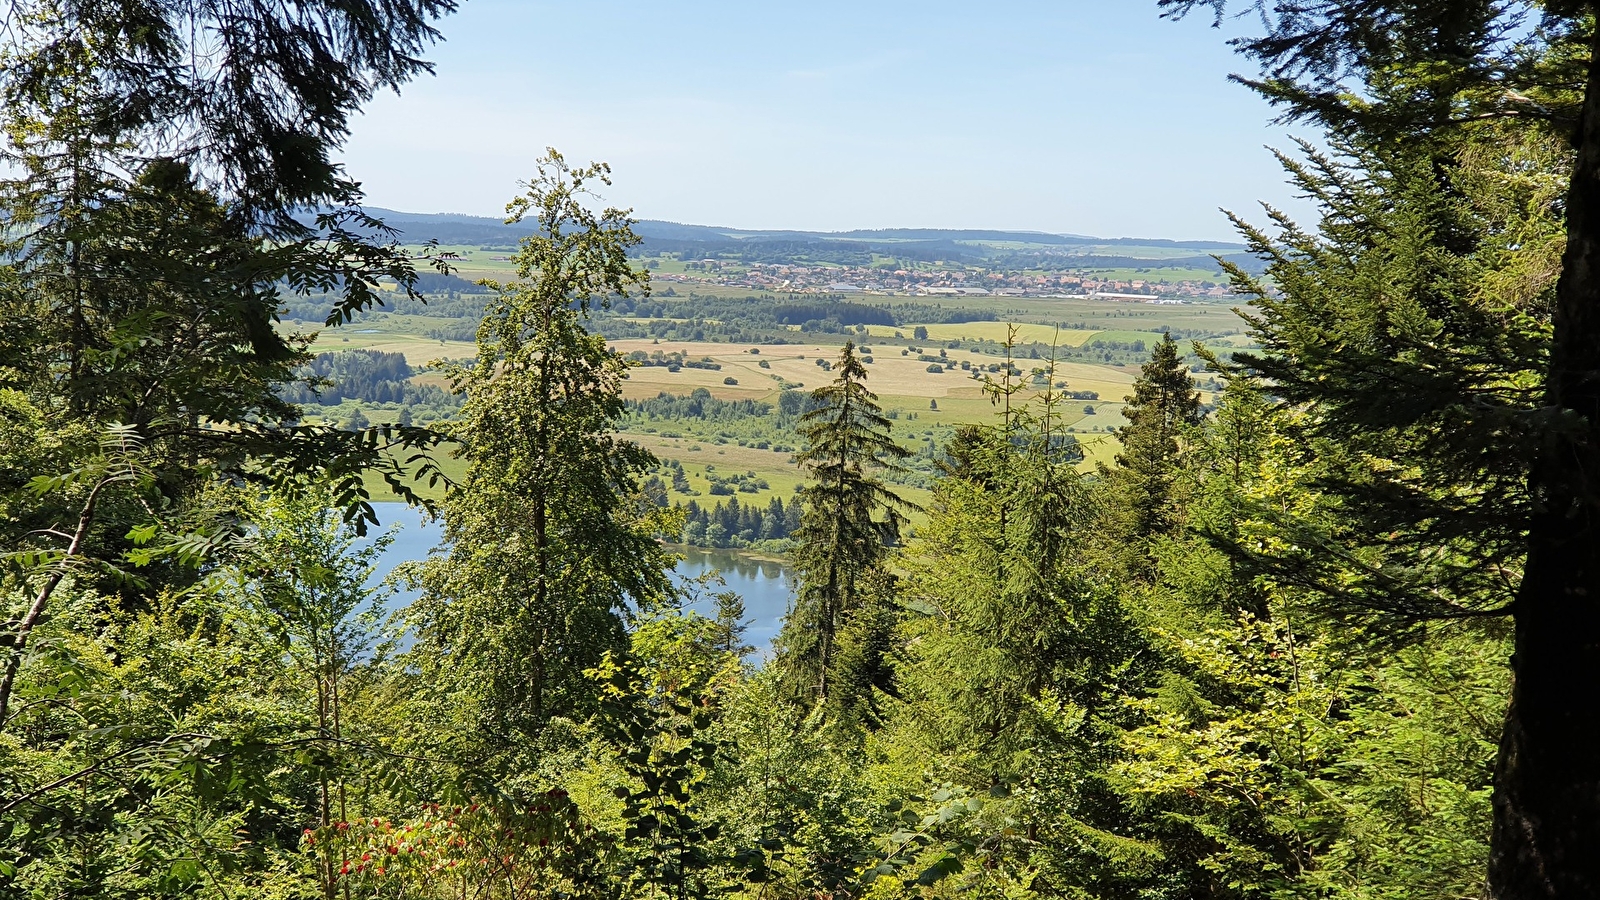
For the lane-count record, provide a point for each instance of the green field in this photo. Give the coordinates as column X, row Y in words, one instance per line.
column 418, row 351
column 925, row 406
column 473, row 263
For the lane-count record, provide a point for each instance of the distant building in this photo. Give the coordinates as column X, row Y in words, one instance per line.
column 1136, row 298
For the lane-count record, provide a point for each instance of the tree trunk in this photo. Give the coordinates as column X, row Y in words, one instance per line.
column 1546, row 840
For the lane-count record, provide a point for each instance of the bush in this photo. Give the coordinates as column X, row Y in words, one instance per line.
column 730, row 380
column 935, row 367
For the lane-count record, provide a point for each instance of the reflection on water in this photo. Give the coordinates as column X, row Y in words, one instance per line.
column 764, row 584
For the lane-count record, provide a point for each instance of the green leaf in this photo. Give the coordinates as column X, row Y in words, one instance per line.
column 142, row 534
column 945, row 867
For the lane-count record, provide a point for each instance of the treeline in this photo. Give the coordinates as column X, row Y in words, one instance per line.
column 842, row 312
column 765, row 319
column 805, row 252
column 1060, row 261
column 739, row 525
column 373, row 376
column 698, row 404
column 756, row 319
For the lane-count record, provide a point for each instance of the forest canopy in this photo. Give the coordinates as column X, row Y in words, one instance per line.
column 1321, row 627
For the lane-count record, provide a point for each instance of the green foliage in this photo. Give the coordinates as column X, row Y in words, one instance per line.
column 264, row 117
column 659, row 732
column 735, row 524
column 550, row 547
column 850, row 522
column 1120, row 684
column 1429, row 349
column 141, row 288
column 142, row 745
column 1162, row 410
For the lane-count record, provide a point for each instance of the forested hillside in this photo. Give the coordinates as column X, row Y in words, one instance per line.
column 1306, row 615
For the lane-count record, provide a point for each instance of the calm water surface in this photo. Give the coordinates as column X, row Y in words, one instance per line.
column 764, row 584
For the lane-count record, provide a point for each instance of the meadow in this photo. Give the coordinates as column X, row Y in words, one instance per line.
column 920, row 382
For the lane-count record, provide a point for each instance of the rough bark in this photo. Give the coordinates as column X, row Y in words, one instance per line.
column 1546, row 841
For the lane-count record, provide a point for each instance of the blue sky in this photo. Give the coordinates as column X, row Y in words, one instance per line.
column 1086, row 116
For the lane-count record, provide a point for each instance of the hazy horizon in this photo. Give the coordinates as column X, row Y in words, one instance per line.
column 739, row 229
column 1068, row 117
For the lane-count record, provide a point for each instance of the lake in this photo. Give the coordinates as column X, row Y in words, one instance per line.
column 765, row 584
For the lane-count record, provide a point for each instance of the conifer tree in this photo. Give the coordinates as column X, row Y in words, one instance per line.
column 850, row 522
column 1163, row 405
column 1474, row 410
column 731, row 624
column 1011, row 623
column 151, row 203
column 551, row 544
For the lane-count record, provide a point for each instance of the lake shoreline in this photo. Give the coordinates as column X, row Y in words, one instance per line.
column 764, row 580
column 752, row 555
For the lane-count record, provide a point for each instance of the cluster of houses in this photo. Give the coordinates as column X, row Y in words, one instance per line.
column 798, row 279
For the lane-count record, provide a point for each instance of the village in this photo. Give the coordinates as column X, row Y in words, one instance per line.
column 971, row 281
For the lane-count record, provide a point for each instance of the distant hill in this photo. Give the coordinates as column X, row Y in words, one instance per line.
column 954, row 234
column 1000, row 249
column 453, row 228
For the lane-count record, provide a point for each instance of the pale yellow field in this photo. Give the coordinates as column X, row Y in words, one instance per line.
column 419, row 351
column 991, row 331
column 920, row 399
column 890, row 374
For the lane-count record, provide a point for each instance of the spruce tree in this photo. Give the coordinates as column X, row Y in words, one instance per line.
column 1448, row 350
column 155, row 210
column 1163, row 406
column 851, row 519
column 551, row 542
column 731, row 624
column 1012, row 625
